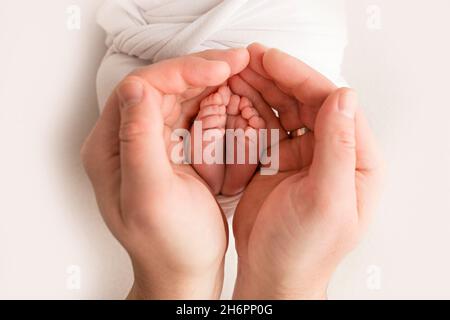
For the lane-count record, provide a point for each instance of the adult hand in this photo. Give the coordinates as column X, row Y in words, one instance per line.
column 163, row 214
column 292, row 229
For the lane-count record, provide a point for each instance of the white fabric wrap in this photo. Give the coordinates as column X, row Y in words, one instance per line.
column 140, row 32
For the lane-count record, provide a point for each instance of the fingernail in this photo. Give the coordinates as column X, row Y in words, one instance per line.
column 130, row 93
column 348, row 103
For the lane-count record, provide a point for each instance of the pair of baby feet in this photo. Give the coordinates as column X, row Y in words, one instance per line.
column 234, row 123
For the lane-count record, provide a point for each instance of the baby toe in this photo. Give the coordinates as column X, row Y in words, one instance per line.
column 211, row 110
column 233, row 105
column 214, row 121
column 249, row 112
column 212, row 99
column 245, row 103
column 225, row 93
column 240, row 123
column 257, row 122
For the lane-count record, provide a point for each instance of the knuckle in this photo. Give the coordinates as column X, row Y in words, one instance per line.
column 345, row 137
column 132, row 130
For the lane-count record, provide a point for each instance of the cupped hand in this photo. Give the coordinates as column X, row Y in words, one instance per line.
column 292, row 229
column 163, row 214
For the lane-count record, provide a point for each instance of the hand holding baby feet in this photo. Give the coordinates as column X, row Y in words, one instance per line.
column 162, row 213
column 292, row 229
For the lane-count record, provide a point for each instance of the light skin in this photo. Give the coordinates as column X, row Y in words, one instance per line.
column 291, row 229
column 177, row 247
column 222, row 111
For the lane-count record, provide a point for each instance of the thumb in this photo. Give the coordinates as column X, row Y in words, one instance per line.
column 334, row 161
column 143, row 156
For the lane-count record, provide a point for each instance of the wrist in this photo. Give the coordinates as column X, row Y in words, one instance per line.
column 251, row 285
column 176, row 287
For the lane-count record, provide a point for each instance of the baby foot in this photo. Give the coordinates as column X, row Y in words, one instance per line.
column 210, row 122
column 242, row 155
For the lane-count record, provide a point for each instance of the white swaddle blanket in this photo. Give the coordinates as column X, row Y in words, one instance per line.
column 145, row 31
column 140, row 32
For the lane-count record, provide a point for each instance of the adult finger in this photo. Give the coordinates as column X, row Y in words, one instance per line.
column 175, row 76
column 288, row 108
column 307, row 85
column 144, row 161
column 237, row 58
column 334, row 161
column 282, row 80
column 257, row 52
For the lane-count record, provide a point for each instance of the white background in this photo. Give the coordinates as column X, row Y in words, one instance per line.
column 48, row 216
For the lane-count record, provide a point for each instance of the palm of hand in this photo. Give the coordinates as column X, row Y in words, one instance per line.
column 274, row 208
column 280, row 221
